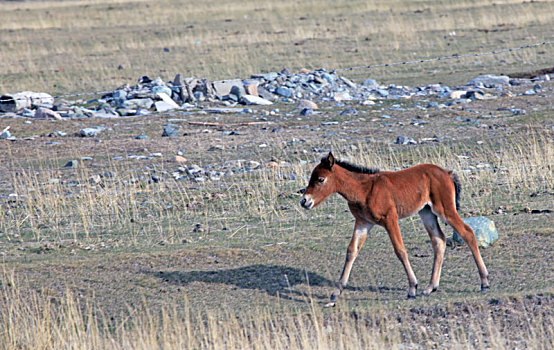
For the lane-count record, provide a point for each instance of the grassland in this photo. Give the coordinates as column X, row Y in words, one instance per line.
column 74, row 46
column 117, row 254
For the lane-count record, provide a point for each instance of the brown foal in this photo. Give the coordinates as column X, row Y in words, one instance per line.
column 382, row 198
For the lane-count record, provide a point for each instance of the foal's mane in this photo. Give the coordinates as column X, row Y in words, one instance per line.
column 356, row 168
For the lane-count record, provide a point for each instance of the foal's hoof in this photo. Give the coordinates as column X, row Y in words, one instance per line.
column 411, row 296
column 427, row 292
column 484, row 289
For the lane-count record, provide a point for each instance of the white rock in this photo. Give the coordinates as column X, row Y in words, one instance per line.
column 254, row 100
column 45, row 113
column 165, row 97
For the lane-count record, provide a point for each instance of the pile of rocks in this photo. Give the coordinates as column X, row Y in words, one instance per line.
column 149, row 95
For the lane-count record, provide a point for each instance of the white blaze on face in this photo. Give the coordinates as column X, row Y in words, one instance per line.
column 307, row 202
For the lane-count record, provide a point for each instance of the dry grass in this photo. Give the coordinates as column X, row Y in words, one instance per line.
column 38, row 321
column 73, row 46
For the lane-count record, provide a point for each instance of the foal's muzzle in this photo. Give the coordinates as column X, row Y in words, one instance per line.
column 307, row 202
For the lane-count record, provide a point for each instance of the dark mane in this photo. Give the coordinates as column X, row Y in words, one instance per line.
column 356, row 168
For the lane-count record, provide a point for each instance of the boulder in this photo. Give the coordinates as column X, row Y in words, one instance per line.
column 306, row 104
column 45, row 113
column 490, row 81
column 484, row 228
column 283, row 91
column 251, row 87
column 224, row 87
column 458, row 94
column 254, row 100
column 25, row 99
column 170, row 130
column 91, row 132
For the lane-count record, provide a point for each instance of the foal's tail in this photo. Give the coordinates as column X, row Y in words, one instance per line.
column 457, row 188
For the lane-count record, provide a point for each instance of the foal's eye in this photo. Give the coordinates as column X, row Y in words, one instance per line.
column 321, row 179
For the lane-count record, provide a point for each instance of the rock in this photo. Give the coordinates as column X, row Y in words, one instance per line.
column 307, row 112
column 236, row 91
column 45, row 113
column 162, row 106
column 342, row 96
column 484, row 228
column 26, row 99
column 223, row 88
column 254, row 100
column 403, row 140
column 91, row 132
column 161, row 89
column 530, row 92
column 458, row 94
column 475, row 95
column 262, row 92
column 5, row 134
column 283, row 91
column 72, row 164
column 432, row 105
column 145, row 103
column 251, row 87
column 272, row 165
column 370, row 83
column 490, row 81
column 165, row 98
column 141, row 137
column 179, row 159
column 306, row 104
column 349, row 111
column 170, row 130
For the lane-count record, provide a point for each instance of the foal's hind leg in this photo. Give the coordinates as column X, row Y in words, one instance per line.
column 454, row 220
column 391, row 225
column 439, row 246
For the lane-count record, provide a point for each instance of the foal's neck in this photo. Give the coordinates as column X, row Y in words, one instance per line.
column 351, row 185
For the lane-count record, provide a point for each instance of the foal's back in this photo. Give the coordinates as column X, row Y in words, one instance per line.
column 409, row 190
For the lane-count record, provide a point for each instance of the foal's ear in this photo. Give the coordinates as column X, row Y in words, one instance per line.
column 328, row 161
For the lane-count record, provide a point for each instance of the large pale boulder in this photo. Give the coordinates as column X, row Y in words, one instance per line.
column 484, row 228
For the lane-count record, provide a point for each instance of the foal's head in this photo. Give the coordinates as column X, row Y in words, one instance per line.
column 321, row 185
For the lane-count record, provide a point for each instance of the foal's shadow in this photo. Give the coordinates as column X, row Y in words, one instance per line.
column 271, row 279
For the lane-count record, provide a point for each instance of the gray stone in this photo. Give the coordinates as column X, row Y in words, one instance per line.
column 161, row 89
column 141, row 137
column 432, row 105
column 283, row 91
column 199, row 95
column 223, row 88
column 145, row 103
column 490, row 81
column 91, row 132
column 5, row 134
column 162, row 106
column 475, row 95
column 370, row 83
column 45, row 113
column 342, row 96
column 72, row 164
column 349, row 111
column 403, row 140
column 170, row 130
column 254, row 100
column 307, row 112
column 236, row 91
column 530, row 92
column 484, row 228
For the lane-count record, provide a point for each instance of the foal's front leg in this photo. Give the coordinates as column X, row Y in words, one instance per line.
column 361, row 230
